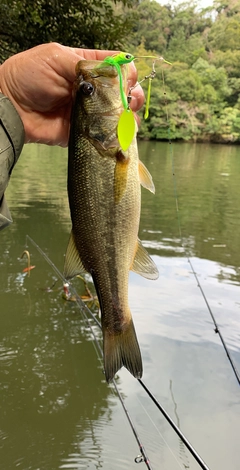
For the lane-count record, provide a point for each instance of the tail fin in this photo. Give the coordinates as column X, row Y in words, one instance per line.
column 122, row 349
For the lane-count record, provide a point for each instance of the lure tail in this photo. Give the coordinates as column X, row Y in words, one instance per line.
column 146, row 114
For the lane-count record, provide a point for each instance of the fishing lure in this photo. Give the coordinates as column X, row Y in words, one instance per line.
column 126, row 125
column 118, row 60
column 150, row 77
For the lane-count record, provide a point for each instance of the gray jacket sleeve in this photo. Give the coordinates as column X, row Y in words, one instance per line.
column 11, row 143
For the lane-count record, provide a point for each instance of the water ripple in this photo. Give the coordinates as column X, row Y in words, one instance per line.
column 7, row 355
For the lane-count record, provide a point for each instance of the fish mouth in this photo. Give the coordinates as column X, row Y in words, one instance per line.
column 95, row 76
column 105, row 85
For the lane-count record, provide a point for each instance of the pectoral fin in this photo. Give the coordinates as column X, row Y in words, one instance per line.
column 73, row 264
column 146, row 178
column 143, row 263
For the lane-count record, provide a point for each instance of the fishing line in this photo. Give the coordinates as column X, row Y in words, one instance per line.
column 85, row 310
column 216, row 327
column 175, row 427
column 79, row 301
column 182, row 449
column 160, row 434
column 143, row 457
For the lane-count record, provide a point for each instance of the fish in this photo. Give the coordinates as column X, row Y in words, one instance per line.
column 105, row 201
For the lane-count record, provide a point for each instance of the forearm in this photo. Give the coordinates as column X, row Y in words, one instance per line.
column 11, row 143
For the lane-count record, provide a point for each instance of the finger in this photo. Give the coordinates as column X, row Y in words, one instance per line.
column 93, row 54
column 137, row 98
column 64, row 59
column 132, row 75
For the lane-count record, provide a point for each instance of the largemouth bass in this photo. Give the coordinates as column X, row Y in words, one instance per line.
column 104, row 199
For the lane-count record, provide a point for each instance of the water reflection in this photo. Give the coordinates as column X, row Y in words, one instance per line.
column 207, row 187
column 47, row 390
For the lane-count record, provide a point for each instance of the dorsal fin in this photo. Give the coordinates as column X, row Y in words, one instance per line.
column 143, row 263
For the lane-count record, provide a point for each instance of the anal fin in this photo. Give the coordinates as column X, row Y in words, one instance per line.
column 73, row 264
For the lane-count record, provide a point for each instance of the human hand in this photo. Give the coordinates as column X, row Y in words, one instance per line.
column 39, row 84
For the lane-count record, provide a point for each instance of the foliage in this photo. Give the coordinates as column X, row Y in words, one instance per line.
column 197, row 98
column 77, row 23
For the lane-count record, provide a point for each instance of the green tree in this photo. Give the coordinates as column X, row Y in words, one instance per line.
column 210, row 75
column 77, row 23
column 225, row 33
column 230, row 60
column 201, row 89
column 187, row 26
column 152, row 24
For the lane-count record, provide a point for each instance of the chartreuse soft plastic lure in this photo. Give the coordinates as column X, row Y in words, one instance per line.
column 118, row 60
column 146, row 114
column 126, row 124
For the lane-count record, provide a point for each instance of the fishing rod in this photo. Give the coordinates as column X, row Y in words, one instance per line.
column 143, row 457
column 84, row 309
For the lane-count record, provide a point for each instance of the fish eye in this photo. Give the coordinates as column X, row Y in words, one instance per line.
column 128, row 56
column 87, row 88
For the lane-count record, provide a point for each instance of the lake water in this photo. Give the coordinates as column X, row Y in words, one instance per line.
column 56, row 410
